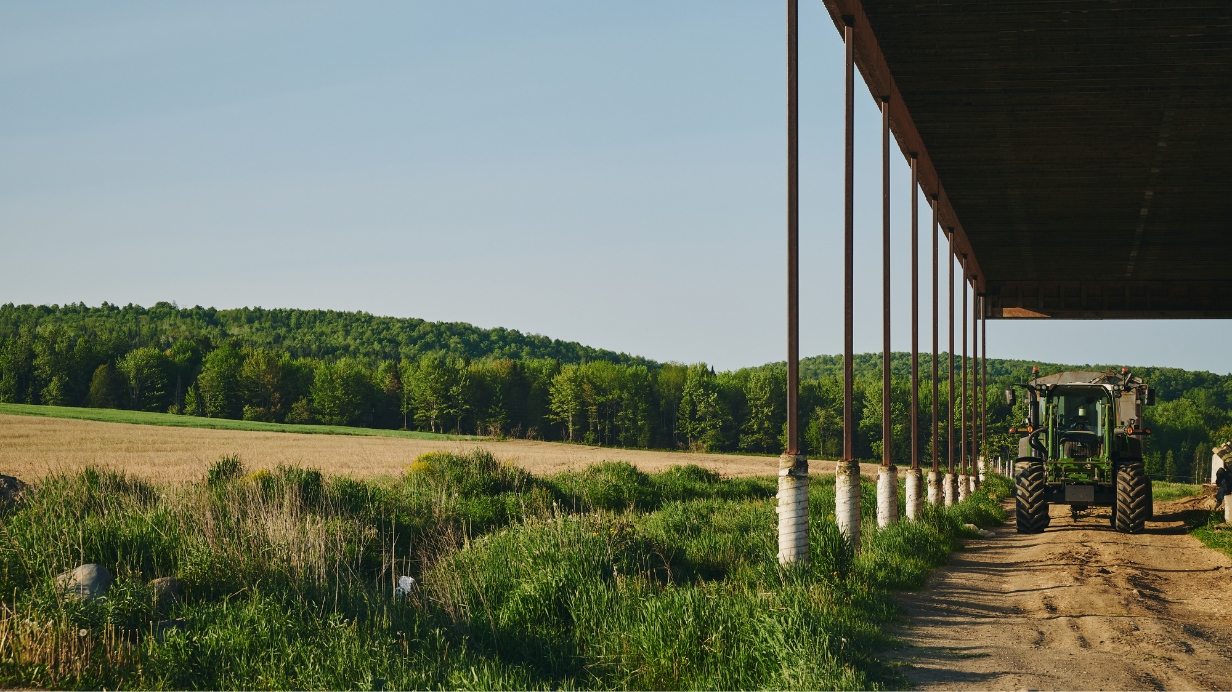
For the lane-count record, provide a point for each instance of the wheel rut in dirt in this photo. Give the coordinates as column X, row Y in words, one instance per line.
column 1079, row 606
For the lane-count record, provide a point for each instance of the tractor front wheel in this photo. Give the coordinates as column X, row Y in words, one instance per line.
column 1030, row 500
column 1133, row 498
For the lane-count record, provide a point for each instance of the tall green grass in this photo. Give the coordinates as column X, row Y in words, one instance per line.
column 604, row 578
column 1164, row 490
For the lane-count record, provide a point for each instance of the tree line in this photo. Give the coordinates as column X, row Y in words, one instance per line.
column 307, row 367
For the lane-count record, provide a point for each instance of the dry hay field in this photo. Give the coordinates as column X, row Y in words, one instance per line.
column 31, row 447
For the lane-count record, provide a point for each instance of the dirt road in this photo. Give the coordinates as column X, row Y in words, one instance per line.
column 1077, row 607
column 30, row 447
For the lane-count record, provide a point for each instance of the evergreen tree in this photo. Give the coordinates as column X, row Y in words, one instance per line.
column 102, row 392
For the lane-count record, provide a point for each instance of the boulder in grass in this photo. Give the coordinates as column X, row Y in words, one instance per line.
column 162, row 627
column 11, row 490
column 166, row 588
column 86, row 581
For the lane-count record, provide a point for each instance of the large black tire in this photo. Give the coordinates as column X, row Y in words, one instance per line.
column 1133, row 498
column 1030, row 499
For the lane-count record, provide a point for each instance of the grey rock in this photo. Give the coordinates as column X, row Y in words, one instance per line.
column 11, row 490
column 166, row 588
column 86, row 581
column 162, row 627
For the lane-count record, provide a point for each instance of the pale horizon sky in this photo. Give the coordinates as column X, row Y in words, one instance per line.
column 608, row 174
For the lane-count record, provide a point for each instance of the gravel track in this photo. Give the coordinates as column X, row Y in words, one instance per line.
column 1077, row 607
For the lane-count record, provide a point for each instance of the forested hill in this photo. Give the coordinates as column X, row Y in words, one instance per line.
column 1170, row 383
column 352, row 368
column 318, row 334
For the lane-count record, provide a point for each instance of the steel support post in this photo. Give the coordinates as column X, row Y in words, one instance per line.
column 793, row 466
column 984, row 373
column 847, row 471
column 887, row 476
column 885, row 283
column 914, row 483
column 975, row 385
column 951, row 481
column 934, row 475
column 964, row 465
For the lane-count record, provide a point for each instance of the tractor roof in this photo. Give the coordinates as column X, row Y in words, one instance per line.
column 1109, row 377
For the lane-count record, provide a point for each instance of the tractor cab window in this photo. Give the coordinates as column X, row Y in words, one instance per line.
column 1079, row 412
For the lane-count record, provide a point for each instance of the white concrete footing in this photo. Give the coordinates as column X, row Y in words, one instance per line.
column 936, row 494
column 950, row 483
column 914, row 482
column 847, row 500
column 887, row 496
column 1227, row 510
column 964, row 486
column 793, row 509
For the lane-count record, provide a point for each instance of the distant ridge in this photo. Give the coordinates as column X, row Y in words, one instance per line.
column 321, row 334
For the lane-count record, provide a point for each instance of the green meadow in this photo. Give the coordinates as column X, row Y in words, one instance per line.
column 605, row 578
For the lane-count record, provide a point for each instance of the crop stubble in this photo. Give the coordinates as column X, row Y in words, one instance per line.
column 31, row 447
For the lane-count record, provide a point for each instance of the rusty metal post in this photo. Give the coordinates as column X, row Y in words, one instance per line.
column 975, row 383
column 793, row 229
column 886, row 459
column 887, row 476
column 848, row 239
column 793, row 466
column 934, row 475
column 847, row 470
column 951, row 481
column 984, row 372
column 915, row 312
column 914, row 485
column 964, row 465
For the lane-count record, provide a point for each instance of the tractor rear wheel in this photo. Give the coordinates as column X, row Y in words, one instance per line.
column 1133, row 498
column 1030, row 500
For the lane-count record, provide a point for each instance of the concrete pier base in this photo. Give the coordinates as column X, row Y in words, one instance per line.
column 793, row 509
column 887, row 496
column 915, row 485
column 847, row 500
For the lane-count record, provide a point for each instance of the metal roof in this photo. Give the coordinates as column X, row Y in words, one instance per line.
column 1081, row 151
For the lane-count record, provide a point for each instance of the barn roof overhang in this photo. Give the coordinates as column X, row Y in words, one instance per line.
column 1081, row 152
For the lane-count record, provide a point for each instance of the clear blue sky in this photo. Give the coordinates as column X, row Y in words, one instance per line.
column 611, row 173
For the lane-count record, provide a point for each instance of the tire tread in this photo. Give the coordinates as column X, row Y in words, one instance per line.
column 1030, row 497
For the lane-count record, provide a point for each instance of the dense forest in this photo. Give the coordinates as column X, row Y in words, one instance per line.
column 347, row 368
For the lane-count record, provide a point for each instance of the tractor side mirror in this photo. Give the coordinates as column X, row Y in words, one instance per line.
column 1150, row 396
column 1010, row 399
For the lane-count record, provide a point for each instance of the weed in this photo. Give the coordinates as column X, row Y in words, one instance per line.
column 227, row 467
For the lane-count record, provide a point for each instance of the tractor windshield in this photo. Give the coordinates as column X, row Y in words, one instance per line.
column 1080, row 409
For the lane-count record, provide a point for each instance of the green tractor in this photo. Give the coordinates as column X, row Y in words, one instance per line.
column 1081, row 446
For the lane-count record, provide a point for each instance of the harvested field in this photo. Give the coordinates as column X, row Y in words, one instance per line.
column 31, row 447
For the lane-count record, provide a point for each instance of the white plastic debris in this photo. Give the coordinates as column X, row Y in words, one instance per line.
column 406, row 586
